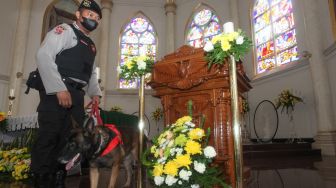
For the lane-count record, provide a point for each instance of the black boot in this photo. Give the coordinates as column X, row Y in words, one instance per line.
column 60, row 179
column 42, row 180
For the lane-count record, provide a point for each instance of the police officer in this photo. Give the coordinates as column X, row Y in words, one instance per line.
column 65, row 62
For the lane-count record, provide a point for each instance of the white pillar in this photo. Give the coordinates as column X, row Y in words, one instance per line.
column 326, row 134
column 170, row 8
column 234, row 12
column 20, row 45
column 104, row 44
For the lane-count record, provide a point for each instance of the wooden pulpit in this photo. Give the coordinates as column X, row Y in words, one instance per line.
column 183, row 76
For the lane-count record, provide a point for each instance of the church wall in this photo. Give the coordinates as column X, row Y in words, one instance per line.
column 329, row 46
column 8, row 16
column 297, row 78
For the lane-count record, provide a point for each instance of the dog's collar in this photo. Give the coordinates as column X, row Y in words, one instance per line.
column 114, row 142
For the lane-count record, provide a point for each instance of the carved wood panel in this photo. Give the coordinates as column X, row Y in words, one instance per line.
column 183, row 76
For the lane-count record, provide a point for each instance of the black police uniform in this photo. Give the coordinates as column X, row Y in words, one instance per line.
column 65, row 62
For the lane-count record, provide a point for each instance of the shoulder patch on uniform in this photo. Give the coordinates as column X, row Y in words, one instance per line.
column 59, row 29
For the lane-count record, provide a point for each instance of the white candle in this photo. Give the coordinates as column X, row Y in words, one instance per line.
column 11, row 93
column 98, row 72
column 228, row 27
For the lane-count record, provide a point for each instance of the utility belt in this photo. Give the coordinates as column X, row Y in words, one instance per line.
column 34, row 81
column 73, row 84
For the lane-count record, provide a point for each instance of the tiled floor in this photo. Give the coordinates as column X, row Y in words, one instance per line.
column 309, row 175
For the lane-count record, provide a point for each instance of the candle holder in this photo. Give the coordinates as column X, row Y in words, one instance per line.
column 10, row 105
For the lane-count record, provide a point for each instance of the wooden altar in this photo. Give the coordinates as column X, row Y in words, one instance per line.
column 183, row 76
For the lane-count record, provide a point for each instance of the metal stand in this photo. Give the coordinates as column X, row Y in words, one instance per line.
column 141, row 127
column 236, row 124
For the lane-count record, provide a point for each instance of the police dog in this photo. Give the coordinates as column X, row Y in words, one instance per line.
column 90, row 141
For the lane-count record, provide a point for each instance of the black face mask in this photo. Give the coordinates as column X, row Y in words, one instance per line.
column 89, row 24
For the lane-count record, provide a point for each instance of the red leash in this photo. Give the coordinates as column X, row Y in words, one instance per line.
column 116, row 140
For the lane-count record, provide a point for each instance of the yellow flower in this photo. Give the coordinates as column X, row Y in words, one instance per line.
column 216, row 39
column 196, row 134
column 171, row 168
column 232, row 36
column 153, row 149
column 2, row 116
column 141, row 58
column 183, row 160
column 183, row 120
column 129, row 64
column 193, row 147
column 158, row 170
column 225, row 45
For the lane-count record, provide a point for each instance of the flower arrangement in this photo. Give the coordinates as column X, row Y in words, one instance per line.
column 15, row 162
column 180, row 157
column 221, row 46
column 136, row 67
column 287, row 100
column 3, row 122
column 157, row 114
column 245, row 106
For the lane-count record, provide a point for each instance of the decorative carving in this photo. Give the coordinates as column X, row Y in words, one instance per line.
column 183, row 76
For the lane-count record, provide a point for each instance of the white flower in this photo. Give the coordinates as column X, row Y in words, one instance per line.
column 179, row 182
column 170, row 180
column 172, row 151
column 195, row 186
column 208, row 47
column 190, row 124
column 185, row 175
column 240, row 40
column 199, row 167
column 158, row 180
column 162, row 160
column 178, row 151
column 209, row 152
column 141, row 65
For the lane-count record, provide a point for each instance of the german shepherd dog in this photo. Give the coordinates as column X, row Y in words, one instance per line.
column 90, row 141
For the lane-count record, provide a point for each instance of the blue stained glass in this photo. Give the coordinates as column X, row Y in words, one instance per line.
column 130, row 37
column 147, row 38
column 203, row 17
column 205, row 24
column 139, row 24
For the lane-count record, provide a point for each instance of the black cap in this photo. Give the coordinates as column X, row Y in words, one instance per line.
column 91, row 5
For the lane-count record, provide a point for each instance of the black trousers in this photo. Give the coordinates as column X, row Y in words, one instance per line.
column 55, row 123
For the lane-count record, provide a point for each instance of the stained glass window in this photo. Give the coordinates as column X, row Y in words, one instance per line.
column 203, row 27
column 274, row 34
column 138, row 38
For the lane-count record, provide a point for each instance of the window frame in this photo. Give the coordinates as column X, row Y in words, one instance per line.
column 137, row 14
column 197, row 9
column 290, row 65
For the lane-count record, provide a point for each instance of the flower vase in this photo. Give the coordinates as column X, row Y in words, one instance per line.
column 292, row 132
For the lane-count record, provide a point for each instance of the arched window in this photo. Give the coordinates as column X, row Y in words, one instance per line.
column 202, row 27
column 58, row 12
column 138, row 37
column 274, row 34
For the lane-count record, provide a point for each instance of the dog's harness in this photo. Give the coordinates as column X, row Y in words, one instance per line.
column 116, row 140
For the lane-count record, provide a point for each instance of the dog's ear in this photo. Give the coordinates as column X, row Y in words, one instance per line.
column 89, row 124
column 74, row 123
